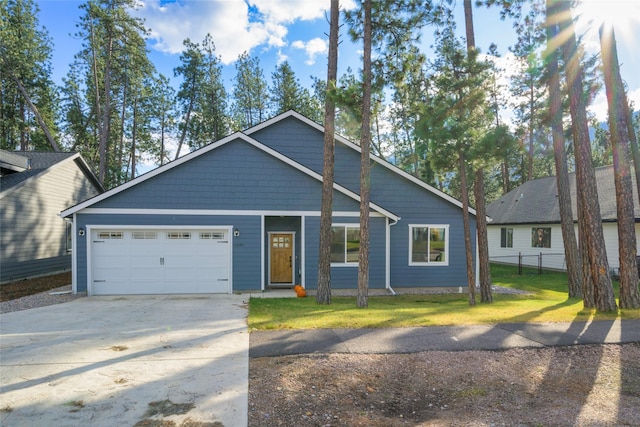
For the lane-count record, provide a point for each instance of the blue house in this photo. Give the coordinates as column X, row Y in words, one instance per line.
column 243, row 214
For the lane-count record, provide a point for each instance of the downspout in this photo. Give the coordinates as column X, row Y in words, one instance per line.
column 388, row 256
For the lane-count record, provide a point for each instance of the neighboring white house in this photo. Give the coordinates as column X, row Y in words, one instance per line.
column 526, row 222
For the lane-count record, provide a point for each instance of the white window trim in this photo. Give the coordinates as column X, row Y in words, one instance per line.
column 444, row 263
column 506, row 246
column 345, row 263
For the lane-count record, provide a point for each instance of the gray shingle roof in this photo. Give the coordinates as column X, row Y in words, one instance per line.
column 39, row 161
column 536, row 201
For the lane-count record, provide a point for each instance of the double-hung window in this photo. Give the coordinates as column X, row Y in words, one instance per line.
column 345, row 244
column 506, row 237
column 428, row 244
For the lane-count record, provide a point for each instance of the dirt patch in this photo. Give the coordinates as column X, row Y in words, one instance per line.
column 168, row 423
column 167, row 407
column 564, row 386
column 26, row 287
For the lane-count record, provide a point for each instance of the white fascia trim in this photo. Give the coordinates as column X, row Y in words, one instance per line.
column 126, row 211
column 356, row 147
column 228, row 228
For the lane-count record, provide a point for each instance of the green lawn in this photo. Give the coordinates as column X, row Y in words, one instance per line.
column 547, row 302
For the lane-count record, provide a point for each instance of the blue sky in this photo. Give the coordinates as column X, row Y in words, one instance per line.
column 295, row 30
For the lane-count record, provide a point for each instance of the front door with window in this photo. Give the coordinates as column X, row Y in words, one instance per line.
column 282, row 258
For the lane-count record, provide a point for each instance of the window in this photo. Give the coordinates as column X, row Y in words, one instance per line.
column 541, row 237
column 69, row 230
column 178, row 235
column 345, row 244
column 428, row 244
column 215, row 236
column 146, row 235
column 506, row 237
column 110, row 235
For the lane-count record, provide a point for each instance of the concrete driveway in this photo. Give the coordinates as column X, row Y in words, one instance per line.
column 120, row 361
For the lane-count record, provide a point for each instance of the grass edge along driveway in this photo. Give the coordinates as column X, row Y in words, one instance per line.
column 547, row 301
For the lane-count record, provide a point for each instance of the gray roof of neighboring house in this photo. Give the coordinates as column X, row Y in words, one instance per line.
column 536, row 201
column 27, row 164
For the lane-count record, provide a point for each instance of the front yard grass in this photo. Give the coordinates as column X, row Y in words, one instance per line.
column 547, row 302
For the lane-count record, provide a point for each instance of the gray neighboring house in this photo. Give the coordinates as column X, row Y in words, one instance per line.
column 34, row 188
column 526, row 220
column 243, row 214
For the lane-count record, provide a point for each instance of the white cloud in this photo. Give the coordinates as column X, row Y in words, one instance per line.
column 312, row 48
column 599, row 106
column 235, row 25
column 281, row 57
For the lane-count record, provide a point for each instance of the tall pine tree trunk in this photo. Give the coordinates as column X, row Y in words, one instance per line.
column 467, row 229
column 365, row 164
column 572, row 255
column 38, row 116
column 619, row 131
column 134, row 136
column 481, row 218
column 585, row 176
column 323, row 294
column 486, row 294
column 633, row 142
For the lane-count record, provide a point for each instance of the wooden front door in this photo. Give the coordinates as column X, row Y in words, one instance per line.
column 282, row 260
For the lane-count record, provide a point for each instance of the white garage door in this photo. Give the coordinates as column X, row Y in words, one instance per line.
column 175, row 261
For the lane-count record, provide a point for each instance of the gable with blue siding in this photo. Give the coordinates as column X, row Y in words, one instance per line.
column 235, row 176
column 268, row 180
column 413, row 203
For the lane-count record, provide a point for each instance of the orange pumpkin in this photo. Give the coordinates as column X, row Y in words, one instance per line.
column 301, row 292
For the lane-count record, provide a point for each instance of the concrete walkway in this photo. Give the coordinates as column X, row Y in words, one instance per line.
column 447, row 338
column 120, row 361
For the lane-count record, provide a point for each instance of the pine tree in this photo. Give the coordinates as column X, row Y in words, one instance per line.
column 323, row 294
column 191, row 70
column 112, row 65
column 455, row 117
column 572, row 255
column 28, row 107
column 589, row 219
column 617, row 102
column 250, row 93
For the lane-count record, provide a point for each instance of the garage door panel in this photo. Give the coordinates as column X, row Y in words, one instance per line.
column 160, row 261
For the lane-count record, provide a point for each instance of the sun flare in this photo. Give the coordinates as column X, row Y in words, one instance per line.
column 622, row 15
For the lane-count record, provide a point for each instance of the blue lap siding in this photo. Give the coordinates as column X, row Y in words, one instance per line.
column 345, row 277
column 411, row 202
column 260, row 183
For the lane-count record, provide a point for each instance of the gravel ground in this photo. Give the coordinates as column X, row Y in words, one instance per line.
column 41, row 299
column 581, row 386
